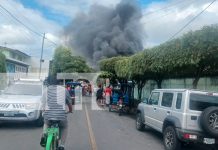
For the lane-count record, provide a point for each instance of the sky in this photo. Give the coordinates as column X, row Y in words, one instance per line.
column 161, row 19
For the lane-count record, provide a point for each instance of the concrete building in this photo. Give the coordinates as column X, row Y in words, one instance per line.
column 16, row 61
column 18, row 64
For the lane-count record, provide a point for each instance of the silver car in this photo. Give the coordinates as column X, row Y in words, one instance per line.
column 22, row 101
column 182, row 115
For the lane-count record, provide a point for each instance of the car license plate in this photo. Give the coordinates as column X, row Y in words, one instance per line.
column 9, row 114
column 209, row 141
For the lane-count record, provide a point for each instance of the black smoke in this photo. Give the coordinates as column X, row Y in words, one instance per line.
column 105, row 32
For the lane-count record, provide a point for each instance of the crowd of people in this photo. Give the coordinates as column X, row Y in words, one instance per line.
column 104, row 95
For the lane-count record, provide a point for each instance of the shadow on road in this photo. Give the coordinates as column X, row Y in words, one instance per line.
column 20, row 125
column 159, row 137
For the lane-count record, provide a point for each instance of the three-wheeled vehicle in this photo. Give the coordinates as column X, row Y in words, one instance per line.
column 71, row 87
column 122, row 98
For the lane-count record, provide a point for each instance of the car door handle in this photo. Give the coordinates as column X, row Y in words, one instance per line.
column 155, row 108
column 168, row 112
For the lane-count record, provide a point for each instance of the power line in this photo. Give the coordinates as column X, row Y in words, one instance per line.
column 51, row 41
column 163, row 8
column 157, row 10
column 23, row 16
column 15, row 18
column 20, row 21
column 191, row 20
column 164, row 15
column 6, row 16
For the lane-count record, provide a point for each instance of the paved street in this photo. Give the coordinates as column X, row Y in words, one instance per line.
column 108, row 132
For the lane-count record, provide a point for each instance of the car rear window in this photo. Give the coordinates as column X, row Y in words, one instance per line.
column 200, row 102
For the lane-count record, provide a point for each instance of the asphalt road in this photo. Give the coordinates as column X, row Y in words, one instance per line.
column 88, row 130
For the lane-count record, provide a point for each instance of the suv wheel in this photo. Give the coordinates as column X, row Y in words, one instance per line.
column 139, row 124
column 209, row 121
column 171, row 142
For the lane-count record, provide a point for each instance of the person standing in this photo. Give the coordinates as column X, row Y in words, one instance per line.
column 108, row 93
column 99, row 95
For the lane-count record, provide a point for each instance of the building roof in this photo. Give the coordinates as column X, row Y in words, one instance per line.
column 14, row 50
column 17, row 61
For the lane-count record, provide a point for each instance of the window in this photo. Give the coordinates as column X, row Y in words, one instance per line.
column 200, row 102
column 179, row 101
column 154, row 98
column 167, row 99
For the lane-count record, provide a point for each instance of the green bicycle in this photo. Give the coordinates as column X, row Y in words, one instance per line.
column 53, row 135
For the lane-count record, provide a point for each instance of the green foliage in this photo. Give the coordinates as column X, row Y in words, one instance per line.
column 2, row 63
column 195, row 55
column 122, row 68
column 192, row 55
column 105, row 74
column 64, row 62
column 3, row 77
column 109, row 64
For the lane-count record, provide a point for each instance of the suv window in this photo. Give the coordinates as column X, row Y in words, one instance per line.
column 200, row 102
column 167, row 99
column 154, row 98
column 179, row 101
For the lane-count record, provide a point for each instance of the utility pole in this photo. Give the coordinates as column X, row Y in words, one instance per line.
column 40, row 68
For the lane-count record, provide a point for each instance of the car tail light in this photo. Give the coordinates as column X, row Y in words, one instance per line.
column 190, row 136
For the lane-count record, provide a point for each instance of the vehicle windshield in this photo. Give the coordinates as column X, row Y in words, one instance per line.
column 24, row 89
column 200, row 102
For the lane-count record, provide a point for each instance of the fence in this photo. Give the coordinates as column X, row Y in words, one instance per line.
column 210, row 84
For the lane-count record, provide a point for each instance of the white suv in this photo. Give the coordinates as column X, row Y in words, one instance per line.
column 22, row 101
column 182, row 115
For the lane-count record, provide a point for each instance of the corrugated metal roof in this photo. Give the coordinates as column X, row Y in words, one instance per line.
column 14, row 50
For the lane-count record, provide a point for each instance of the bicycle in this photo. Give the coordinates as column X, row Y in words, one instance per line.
column 53, row 135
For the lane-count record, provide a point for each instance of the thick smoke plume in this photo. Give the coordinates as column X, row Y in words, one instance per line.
column 105, row 32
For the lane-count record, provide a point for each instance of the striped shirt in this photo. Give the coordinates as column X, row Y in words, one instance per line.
column 55, row 105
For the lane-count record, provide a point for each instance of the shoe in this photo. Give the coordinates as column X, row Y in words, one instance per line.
column 43, row 140
column 61, row 147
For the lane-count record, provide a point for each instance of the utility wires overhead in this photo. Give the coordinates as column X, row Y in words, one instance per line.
column 27, row 27
column 174, row 35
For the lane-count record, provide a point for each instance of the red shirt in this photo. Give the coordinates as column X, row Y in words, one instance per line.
column 108, row 91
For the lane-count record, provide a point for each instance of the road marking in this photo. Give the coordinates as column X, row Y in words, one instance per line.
column 91, row 134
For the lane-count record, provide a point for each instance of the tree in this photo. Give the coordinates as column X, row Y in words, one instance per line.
column 193, row 55
column 64, row 62
column 203, row 48
column 139, row 68
column 2, row 63
column 3, row 77
column 109, row 64
column 122, row 68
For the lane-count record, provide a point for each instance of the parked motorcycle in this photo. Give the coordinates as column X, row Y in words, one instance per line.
column 121, row 106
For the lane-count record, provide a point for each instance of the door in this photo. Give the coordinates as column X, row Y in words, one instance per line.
column 164, row 110
column 152, row 109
